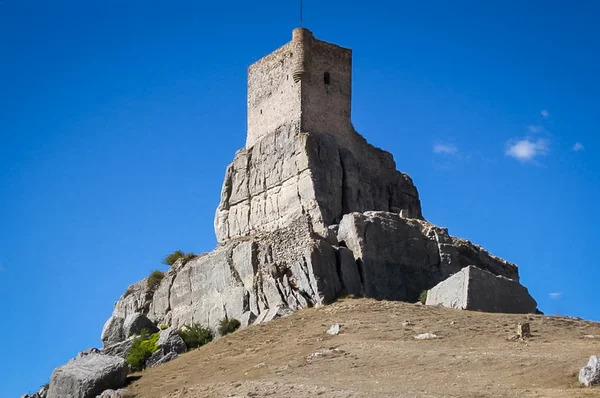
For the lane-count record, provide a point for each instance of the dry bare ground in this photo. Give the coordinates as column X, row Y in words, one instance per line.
column 376, row 355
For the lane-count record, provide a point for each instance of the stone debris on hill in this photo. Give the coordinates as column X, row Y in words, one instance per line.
column 590, row 374
column 426, row 336
column 334, row 330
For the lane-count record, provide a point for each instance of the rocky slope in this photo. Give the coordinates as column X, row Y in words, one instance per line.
column 302, row 222
column 376, row 354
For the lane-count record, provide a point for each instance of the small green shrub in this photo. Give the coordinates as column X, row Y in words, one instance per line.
column 164, row 327
column 187, row 257
column 154, row 279
column 143, row 347
column 176, row 255
column 423, row 296
column 196, row 335
column 171, row 258
column 227, row 326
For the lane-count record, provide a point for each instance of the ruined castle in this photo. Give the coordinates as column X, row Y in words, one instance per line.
column 309, row 211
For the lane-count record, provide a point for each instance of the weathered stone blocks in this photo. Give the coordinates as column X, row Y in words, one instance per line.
column 475, row 289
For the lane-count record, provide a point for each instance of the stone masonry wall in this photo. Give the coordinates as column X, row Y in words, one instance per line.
column 326, row 107
column 273, row 98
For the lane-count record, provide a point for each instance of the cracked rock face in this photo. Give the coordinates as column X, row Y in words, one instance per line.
column 303, row 221
column 284, row 176
column 87, row 376
column 475, row 289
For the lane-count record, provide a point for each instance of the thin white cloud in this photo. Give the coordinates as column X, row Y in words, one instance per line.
column 527, row 149
column 535, row 128
column 445, row 148
column 555, row 295
column 545, row 113
column 578, row 147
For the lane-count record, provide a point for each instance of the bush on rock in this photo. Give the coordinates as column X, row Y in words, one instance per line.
column 227, row 326
column 143, row 347
column 195, row 335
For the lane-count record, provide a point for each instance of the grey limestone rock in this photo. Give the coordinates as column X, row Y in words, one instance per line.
column 247, row 318
column 476, row 289
column 87, row 376
column 157, row 360
column 349, row 274
column 112, row 332
column 286, row 175
column 590, row 374
column 43, row 392
column 400, row 257
column 88, row 352
column 272, row 313
column 170, row 341
column 135, row 323
column 120, row 349
column 120, row 393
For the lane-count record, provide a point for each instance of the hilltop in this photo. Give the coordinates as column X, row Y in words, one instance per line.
column 376, row 355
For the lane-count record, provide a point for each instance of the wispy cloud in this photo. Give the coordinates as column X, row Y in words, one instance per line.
column 535, row 128
column 448, row 149
column 578, row 147
column 527, row 149
column 555, row 295
column 545, row 113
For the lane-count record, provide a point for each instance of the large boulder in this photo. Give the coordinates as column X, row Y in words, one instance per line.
column 87, row 376
column 475, row 289
column 170, row 341
column 135, row 323
column 158, row 358
column 112, row 332
column 170, row 345
column 398, row 257
column 590, row 375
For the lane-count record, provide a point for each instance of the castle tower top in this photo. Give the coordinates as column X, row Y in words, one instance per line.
column 304, row 86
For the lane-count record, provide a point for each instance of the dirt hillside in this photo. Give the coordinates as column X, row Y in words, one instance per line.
column 376, row 355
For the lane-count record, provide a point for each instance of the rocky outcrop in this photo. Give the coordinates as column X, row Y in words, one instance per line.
column 87, row 376
column 135, row 323
column 375, row 254
column 284, row 176
column 590, row 374
column 479, row 290
column 301, row 222
column 398, row 258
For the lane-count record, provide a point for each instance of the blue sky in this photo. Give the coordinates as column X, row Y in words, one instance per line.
column 118, row 119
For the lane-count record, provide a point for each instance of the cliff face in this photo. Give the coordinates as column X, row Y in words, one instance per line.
column 303, row 221
column 286, row 174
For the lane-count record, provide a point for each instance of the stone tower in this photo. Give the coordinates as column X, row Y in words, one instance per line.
column 303, row 157
column 309, row 212
column 305, row 85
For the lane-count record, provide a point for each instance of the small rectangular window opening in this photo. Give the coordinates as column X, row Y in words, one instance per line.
column 327, row 78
